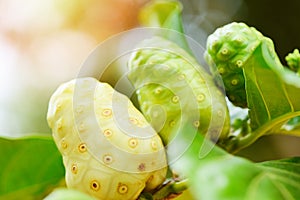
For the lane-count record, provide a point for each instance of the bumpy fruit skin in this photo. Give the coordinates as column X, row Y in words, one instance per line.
column 293, row 61
column 229, row 48
column 171, row 87
column 109, row 150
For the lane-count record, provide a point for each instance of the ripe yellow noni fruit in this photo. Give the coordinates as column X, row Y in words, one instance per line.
column 109, row 150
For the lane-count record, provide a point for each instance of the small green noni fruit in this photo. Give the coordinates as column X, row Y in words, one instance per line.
column 293, row 61
column 229, row 48
column 109, row 149
column 173, row 89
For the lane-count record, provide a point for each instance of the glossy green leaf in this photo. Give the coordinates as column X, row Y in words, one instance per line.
column 273, row 95
column 68, row 194
column 220, row 175
column 30, row 167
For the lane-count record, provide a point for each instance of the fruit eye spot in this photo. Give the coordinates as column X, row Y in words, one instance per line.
column 82, row 148
column 142, row 167
column 158, row 90
column 196, row 124
column 133, row 142
column 239, row 63
column 59, row 124
column 64, row 144
column 107, row 159
column 106, row 112
column 94, row 185
column 175, row 99
column 172, row 123
column 154, row 145
column 221, row 70
column 107, row 133
column 74, row 169
column 224, row 51
column 234, row 82
column 122, row 188
column 201, row 97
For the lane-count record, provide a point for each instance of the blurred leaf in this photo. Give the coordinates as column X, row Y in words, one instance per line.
column 30, row 167
column 220, row 175
column 161, row 13
column 68, row 194
column 165, row 14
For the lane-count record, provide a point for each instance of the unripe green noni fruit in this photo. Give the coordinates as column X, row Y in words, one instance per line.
column 172, row 89
column 230, row 48
column 293, row 61
column 109, row 150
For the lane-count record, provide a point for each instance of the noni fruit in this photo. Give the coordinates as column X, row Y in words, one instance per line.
column 293, row 61
column 172, row 89
column 229, row 48
column 109, row 150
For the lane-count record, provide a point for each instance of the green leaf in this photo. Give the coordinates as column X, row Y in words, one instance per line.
column 220, row 175
column 273, row 95
column 285, row 175
column 165, row 14
column 30, row 167
column 68, row 194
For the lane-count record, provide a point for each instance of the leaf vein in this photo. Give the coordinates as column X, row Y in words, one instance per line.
column 261, row 93
column 285, row 193
column 288, row 97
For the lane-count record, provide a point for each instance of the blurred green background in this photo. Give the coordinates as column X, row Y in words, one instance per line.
column 43, row 43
